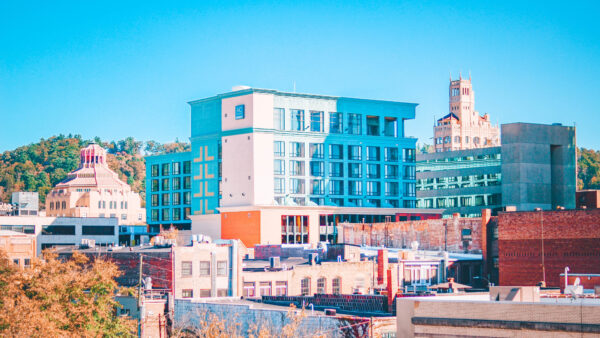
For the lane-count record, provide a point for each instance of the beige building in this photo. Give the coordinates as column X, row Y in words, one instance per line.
column 93, row 190
column 463, row 127
column 19, row 247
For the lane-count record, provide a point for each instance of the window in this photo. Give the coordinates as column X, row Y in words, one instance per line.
column 281, row 288
column 154, row 199
column 279, row 118
column 316, row 150
column 317, row 187
column 390, row 127
column 373, row 188
column 391, row 188
column 176, row 168
column 298, row 119
column 186, row 213
column 187, row 197
column 354, row 153
column 279, row 148
column 355, row 188
column 177, row 198
column 187, row 167
column 354, row 124
column 373, row 170
column 154, row 215
column 176, row 183
column 204, row 268
column 336, row 169
column 409, row 155
column 248, row 289
column 222, row 268
column 296, row 186
column 186, row 269
column 165, row 184
column 124, row 217
column 279, row 167
column 294, row 229
column 279, row 185
column 391, row 171
column 409, row 172
column 335, row 123
column 265, row 288
column 297, row 168
column 322, row 285
column 372, row 153
column 409, row 189
column 240, row 112
column 154, row 170
column 316, row 121
column 165, row 169
column 187, row 293
column 165, row 199
column 391, row 154
column 154, row 186
column 176, row 214
column 296, row 149
column 48, row 230
column 317, row 168
column 336, row 285
column 373, row 125
column 165, row 214
column 26, row 262
column 355, row 170
column 336, row 187
column 336, row 151
column 98, row 230
column 204, row 293
column 187, row 183
column 305, row 286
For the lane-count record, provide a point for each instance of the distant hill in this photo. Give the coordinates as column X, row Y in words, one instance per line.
column 39, row 166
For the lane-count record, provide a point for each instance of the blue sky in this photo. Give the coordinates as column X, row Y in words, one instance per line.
column 118, row 69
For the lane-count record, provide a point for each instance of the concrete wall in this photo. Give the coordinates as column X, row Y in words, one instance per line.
column 538, row 166
column 456, row 318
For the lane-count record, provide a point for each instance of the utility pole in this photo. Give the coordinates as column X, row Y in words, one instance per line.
column 140, row 281
column 543, row 254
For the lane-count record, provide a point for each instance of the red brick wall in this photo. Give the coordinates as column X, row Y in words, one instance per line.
column 571, row 238
column 429, row 234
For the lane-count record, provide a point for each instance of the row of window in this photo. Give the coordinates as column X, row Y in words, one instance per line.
column 447, row 139
column 336, row 152
column 112, row 205
column 204, row 293
column 351, row 123
column 204, row 268
column 96, row 230
column 350, row 202
column 167, row 169
column 171, row 184
column 336, row 169
column 460, row 201
column 58, row 205
column 454, row 182
column 171, row 199
column 336, row 187
column 178, row 214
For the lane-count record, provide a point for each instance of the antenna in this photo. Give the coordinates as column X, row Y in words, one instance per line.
column 294, row 86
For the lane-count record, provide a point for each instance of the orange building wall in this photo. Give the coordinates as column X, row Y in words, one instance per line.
column 242, row 225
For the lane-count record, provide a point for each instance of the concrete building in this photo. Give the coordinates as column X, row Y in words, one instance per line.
column 534, row 168
column 19, row 247
column 463, row 127
column 94, row 190
column 63, row 231
column 26, row 203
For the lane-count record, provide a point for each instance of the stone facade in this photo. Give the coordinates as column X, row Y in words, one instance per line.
column 19, row 247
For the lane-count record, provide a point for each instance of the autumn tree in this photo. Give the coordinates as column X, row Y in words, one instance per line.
column 61, row 299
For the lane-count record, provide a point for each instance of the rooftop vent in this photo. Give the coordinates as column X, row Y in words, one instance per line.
column 238, row 88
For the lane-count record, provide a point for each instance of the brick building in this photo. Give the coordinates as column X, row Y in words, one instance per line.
column 536, row 246
column 19, row 247
column 589, row 199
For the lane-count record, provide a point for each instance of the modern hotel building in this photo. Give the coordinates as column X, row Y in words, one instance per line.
column 256, row 147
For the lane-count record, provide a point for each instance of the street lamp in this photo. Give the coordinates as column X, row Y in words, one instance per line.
column 488, row 281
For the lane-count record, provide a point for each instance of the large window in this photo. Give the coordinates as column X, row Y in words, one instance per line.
column 176, row 198
column 279, row 167
column 281, row 288
column 279, row 185
column 355, row 188
column 279, row 148
column 317, row 168
column 176, row 168
column 296, row 186
column 390, row 127
column 222, row 268
column 354, row 124
column 265, row 288
column 297, row 168
column 373, row 188
column 316, row 150
column 176, row 214
column 154, row 215
column 187, row 167
column 154, row 186
column 336, row 151
column 279, row 118
column 165, row 184
column 248, row 289
column 186, row 269
column 154, row 170
column 176, row 183
column 336, row 285
column 294, row 229
column 187, row 197
column 336, row 169
column 317, row 187
column 355, row 170
column 166, row 199
column 391, row 154
column 187, row 293
column 336, row 187
column 354, row 153
column 298, row 119
column 154, row 201
column 165, row 169
column 204, row 268
column 409, row 189
column 165, row 215
column 187, row 184
column 58, row 230
column 322, row 285
column 98, row 230
column 316, row 121
column 391, row 188
column 373, row 170
column 335, row 123
column 372, row 153
column 373, row 125
column 409, row 172
column 297, row 149
column 391, row 171
column 305, row 286
column 409, row 155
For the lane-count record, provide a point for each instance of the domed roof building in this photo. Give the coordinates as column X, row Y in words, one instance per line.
column 93, row 190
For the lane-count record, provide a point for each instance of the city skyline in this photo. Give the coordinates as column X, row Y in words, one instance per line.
column 99, row 70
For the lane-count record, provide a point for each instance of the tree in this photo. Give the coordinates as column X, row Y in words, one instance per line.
column 61, row 299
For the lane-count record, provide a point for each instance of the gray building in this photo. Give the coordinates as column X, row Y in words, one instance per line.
column 25, row 203
column 534, row 168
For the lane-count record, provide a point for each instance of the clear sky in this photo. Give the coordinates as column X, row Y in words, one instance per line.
column 118, row 69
